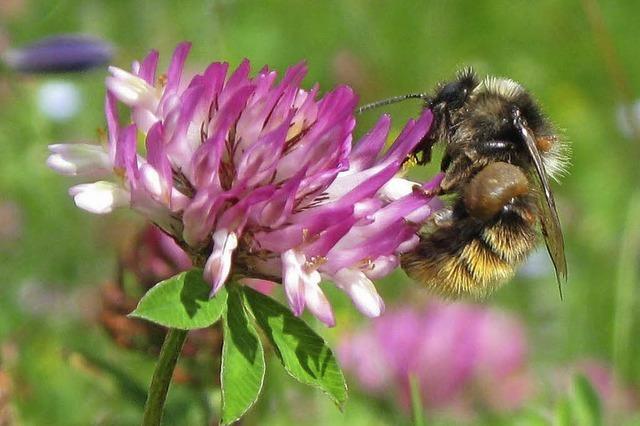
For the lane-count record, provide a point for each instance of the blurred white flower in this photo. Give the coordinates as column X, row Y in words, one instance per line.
column 628, row 118
column 59, row 100
column 536, row 266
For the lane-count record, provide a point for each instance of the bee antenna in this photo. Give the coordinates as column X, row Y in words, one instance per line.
column 390, row 101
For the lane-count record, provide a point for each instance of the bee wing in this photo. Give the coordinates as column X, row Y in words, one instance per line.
column 549, row 221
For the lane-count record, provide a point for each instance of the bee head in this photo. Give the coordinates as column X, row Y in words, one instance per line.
column 454, row 95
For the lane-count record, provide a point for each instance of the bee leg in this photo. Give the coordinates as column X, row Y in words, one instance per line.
column 424, row 148
column 457, row 173
column 443, row 218
column 442, row 118
column 446, row 162
column 492, row 188
column 428, row 193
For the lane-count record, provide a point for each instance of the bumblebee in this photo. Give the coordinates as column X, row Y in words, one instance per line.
column 500, row 151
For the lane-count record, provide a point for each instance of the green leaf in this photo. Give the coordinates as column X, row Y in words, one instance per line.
column 243, row 366
column 182, row 302
column 532, row 417
column 586, row 403
column 304, row 354
column 562, row 415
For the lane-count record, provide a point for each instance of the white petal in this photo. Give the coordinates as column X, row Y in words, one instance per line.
column 347, row 180
column 99, row 197
column 124, row 92
column 152, row 182
column 79, row 159
column 131, row 89
column 292, row 280
column 420, row 214
column 144, row 119
column 179, row 201
column 381, row 267
column 397, row 188
column 218, row 266
column 408, row 245
column 135, row 67
column 318, row 304
column 361, row 291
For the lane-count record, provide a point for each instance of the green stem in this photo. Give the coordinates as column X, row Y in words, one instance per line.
column 416, row 401
column 625, row 288
column 162, row 376
column 615, row 67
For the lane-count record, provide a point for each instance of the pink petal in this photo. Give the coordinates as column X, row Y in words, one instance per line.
column 125, row 154
column 157, row 158
column 236, row 80
column 411, row 135
column 367, row 149
column 201, row 213
column 177, row 65
column 113, row 124
column 147, row 70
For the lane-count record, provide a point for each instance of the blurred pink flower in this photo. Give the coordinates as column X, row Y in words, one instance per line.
column 153, row 256
column 256, row 179
column 464, row 356
column 11, row 222
column 617, row 399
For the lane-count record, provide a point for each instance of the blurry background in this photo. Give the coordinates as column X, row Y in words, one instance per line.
column 59, row 363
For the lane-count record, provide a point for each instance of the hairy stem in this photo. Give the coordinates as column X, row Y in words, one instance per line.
column 162, row 375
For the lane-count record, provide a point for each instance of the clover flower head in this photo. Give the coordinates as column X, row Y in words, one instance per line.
column 256, row 178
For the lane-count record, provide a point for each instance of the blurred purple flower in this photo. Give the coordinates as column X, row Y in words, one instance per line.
column 256, row 179
column 464, row 357
column 63, row 53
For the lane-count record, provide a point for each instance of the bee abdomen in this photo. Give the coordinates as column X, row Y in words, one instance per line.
column 513, row 236
column 457, row 261
column 486, row 266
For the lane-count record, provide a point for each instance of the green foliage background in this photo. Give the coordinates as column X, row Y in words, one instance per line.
column 382, row 49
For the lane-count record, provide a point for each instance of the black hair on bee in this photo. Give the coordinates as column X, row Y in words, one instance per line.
column 500, row 151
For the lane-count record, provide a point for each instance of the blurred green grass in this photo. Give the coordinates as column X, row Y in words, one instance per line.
column 381, row 49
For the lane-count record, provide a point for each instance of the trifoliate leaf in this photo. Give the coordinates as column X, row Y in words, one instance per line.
column 182, row 302
column 304, row 354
